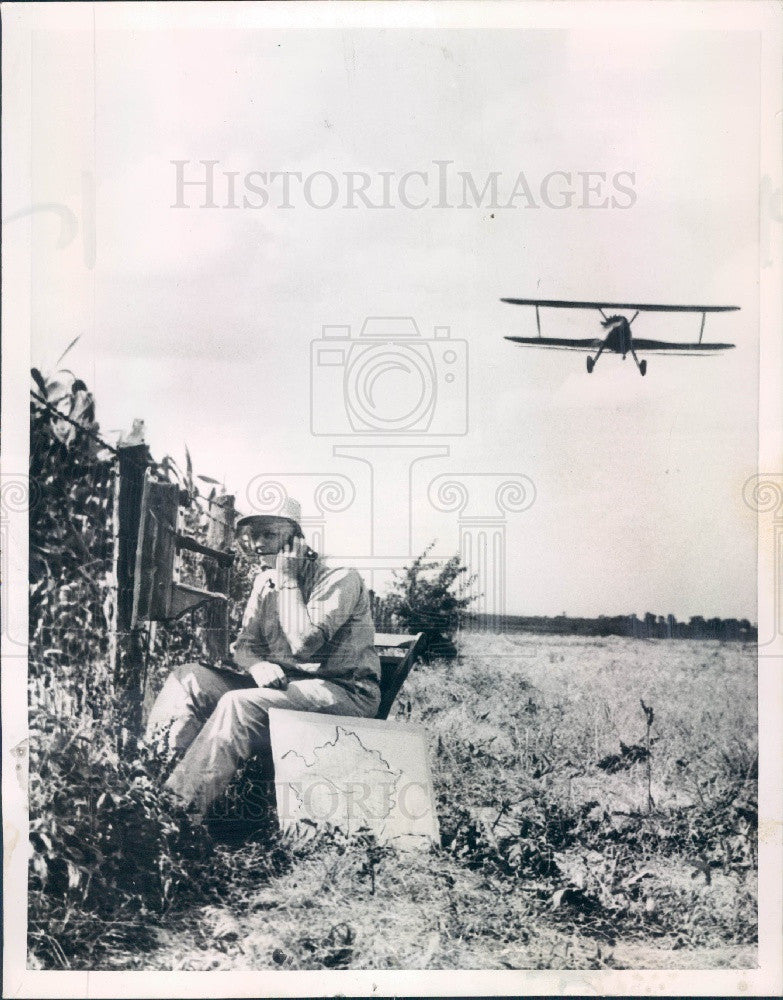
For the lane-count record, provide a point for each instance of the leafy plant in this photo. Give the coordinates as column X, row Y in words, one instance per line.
column 431, row 596
column 111, row 850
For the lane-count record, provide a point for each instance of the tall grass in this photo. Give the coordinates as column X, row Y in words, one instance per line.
column 550, row 856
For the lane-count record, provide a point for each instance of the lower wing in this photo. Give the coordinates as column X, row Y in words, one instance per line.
column 558, row 343
column 667, row 347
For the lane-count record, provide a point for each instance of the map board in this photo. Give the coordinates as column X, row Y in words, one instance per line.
column 354, row 773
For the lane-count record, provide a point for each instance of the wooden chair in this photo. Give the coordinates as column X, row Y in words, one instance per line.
column 397, row 654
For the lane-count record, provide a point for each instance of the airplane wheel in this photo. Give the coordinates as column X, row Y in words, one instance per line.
column 590, row 364
column 643, row 367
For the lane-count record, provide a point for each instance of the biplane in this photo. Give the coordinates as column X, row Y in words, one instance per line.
column 618, row 337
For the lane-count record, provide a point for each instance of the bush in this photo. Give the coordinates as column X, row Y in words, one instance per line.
column 111, row 850
column 430, row 596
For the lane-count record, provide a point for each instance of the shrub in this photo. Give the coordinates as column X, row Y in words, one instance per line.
column 430, row 596
column 111, row 850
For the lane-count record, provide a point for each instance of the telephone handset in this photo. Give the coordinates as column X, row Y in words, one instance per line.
column 309, row 553
column 245, row 542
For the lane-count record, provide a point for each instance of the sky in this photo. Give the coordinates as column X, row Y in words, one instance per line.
column 204, row 321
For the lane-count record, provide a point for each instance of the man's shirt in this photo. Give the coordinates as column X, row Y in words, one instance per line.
column 338, row 606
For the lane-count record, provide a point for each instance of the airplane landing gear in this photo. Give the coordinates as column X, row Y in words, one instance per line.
column 643, row 367
column 590, row 364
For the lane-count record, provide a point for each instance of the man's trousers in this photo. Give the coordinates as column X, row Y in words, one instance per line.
column 220, row 719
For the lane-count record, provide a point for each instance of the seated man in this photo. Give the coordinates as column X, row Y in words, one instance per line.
column 307, row 643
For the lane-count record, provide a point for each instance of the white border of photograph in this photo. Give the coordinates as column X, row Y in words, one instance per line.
column 18, row 21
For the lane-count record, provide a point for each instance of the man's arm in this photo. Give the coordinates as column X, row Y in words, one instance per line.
column 250, row 646
column 307, row 627
column 250, row 650
column 248, row 653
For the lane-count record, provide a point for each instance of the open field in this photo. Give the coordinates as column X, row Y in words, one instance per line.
column 552, row 854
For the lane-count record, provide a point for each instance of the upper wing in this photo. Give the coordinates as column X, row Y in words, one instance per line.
column 559, row 343
column 677, row 348
column 642, row 307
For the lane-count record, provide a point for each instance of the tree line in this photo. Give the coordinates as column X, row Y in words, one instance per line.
column 650, row 626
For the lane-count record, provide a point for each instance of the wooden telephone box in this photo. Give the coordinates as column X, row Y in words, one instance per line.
column 157, row 594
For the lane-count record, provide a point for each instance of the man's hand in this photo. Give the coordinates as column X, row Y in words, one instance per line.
column 268, row 675
column 290, row 560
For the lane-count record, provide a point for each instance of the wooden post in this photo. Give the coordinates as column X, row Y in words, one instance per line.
column 220, row 535
column 127, row 649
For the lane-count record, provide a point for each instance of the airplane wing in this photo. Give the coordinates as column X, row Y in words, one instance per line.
column 642, row 307
column 559, row 343
column 660, row 346
column 667, row 347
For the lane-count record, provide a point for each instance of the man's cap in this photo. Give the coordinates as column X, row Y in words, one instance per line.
column 290, row 510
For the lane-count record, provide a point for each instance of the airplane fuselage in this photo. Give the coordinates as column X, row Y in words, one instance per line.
column 619, row 338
